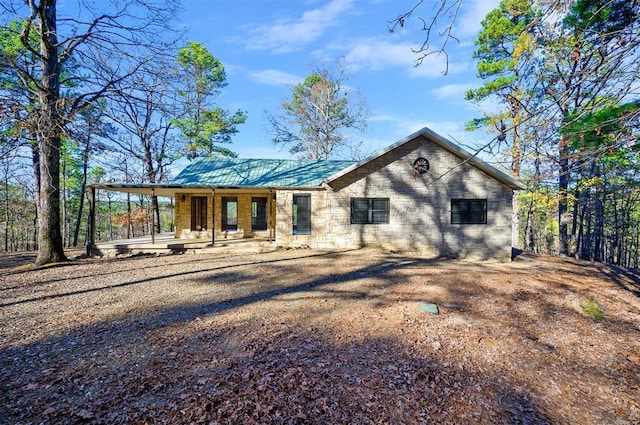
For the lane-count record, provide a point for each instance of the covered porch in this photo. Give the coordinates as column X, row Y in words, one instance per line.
column 205, row 217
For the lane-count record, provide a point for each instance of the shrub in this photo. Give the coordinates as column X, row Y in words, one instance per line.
column 592, row 308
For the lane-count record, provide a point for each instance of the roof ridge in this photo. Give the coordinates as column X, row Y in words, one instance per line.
column 443, row 142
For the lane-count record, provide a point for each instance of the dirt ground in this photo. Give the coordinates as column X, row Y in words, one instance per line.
column 304, row 336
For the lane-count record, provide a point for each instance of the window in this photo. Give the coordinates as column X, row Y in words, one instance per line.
column 198, row 213
column 301, row 214
column 369, row 210
column 258, row 213
column 229, row 213
column 468, row 211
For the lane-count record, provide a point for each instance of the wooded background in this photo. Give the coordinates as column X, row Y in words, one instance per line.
column 560, row 96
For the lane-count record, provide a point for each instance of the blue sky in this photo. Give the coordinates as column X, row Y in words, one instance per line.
column 266, row 46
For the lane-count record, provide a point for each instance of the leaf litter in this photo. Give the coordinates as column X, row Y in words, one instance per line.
column 306, row 336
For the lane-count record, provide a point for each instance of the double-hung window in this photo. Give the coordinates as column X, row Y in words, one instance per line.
column 369, row 210
column 468, row 211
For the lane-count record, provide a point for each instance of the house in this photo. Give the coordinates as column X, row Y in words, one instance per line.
column 423, row 193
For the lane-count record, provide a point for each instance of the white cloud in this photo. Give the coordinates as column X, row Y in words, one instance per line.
column 381, row 118
column 400, row 126
column 404, row 126
column 473, row 12
column 273, row 77
column 292, row 34
column 453, row 91
column 379, row 54
column 453, row 130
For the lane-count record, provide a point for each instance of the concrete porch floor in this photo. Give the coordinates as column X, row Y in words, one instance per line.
column 168, row 243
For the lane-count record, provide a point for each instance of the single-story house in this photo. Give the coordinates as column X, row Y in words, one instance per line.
column 423, row 193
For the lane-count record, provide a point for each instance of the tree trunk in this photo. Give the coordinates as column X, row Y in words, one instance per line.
column 616, row 246
column 35, row 167
column 50, row 247
column 598, row 244
column 6, row 211
column 515, row 204
column 151, row 175
column 636, row 251
column 110, row 217
column 588, row 250
column 156, row 212
column 63, row 211
column 563, row 195
column 529, row 242
column 85, row 167
column 584, row 242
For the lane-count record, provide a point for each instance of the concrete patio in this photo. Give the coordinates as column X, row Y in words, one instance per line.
column 168, row 243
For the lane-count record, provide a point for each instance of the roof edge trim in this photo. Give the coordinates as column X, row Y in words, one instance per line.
column 446, row 144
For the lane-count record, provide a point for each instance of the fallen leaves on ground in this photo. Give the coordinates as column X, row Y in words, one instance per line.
column 304, row 336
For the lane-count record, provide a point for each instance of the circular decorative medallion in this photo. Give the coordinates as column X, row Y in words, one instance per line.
column 420, row 166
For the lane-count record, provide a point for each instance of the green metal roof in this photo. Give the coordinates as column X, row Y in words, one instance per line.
column 236, row 172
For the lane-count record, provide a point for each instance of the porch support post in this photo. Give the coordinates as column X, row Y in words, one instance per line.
column 128, row 215
column 213, row 216
column 153, row 217
column 269, row 215
column 92, row 220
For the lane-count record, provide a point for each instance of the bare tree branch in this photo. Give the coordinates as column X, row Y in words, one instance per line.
column 443, row 9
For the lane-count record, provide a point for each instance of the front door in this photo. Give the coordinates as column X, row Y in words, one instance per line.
column 259, row 213
column 198, row 213
column 229, row 213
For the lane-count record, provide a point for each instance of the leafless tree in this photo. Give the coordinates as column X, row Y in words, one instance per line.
column 81, row 55
column 143, row 110
column 321, row 107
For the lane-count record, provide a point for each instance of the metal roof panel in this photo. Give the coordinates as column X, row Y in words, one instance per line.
column 237, row 172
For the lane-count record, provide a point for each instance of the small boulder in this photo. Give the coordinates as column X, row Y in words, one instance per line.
column 429, row 308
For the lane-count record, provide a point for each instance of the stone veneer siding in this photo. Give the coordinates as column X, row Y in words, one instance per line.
column 420, row 207
column 183, row 215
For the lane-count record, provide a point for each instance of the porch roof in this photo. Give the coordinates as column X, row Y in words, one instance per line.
column 205, row 174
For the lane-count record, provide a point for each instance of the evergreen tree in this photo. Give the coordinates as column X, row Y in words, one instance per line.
column 204, row 127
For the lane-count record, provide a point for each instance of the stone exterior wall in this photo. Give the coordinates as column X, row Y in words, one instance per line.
column 183, row 216
column 420, row 207
column 322, row 232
